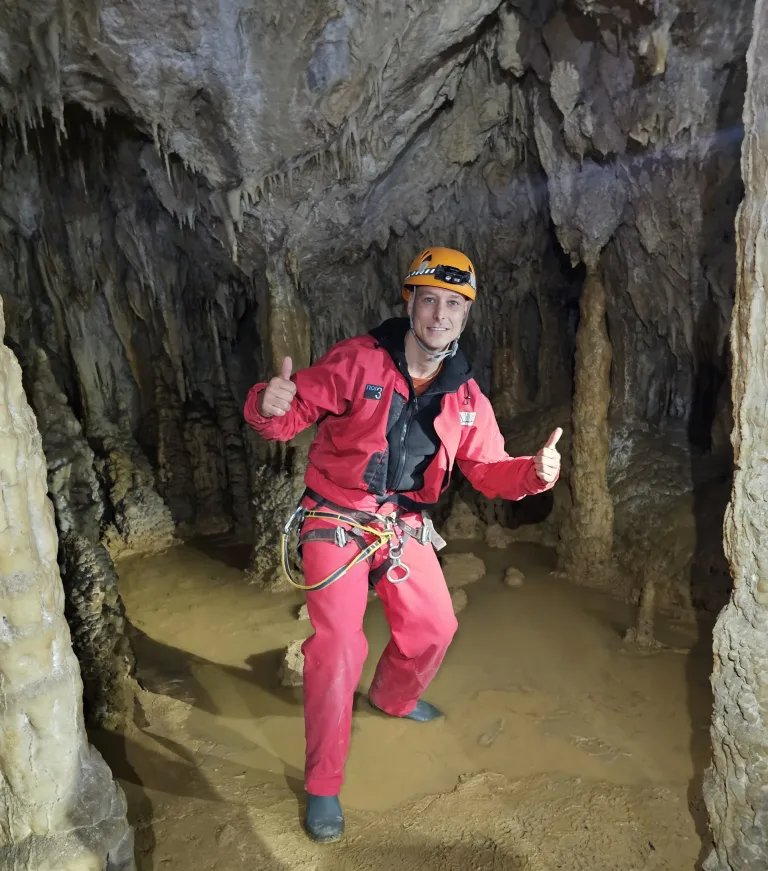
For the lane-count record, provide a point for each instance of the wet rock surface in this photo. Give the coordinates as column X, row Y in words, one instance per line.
column 291, row 671
column 513, row 577
column 459, row 600
column 461, row 569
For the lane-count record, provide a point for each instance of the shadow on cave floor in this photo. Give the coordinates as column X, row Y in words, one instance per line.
column 186, row 677
column 163, row 778
column 224, row 549
column 153, row 766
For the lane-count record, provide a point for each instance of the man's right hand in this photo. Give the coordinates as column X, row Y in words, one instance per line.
column 278, row 394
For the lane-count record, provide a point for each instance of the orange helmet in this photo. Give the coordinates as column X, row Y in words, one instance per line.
column 442, row 267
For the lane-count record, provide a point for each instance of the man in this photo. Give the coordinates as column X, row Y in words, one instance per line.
column 395, row 409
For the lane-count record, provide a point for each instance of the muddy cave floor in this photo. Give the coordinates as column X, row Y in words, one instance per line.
column 561, row 748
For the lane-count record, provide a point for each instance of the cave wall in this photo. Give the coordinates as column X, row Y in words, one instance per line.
column 173, row 180
column 735, row 786
column 60, row 809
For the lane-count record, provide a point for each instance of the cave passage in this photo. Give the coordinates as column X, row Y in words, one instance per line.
column 188, row 197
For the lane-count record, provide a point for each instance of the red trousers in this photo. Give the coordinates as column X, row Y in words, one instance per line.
column 422, row 623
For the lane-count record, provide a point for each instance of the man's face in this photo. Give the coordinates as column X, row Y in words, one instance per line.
column 438, row 315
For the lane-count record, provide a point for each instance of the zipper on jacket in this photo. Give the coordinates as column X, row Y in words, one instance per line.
column 411, row 406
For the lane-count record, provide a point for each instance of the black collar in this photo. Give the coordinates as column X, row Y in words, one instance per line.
column 455, row 371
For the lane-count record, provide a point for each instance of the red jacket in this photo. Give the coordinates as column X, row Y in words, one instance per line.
column 349, row 391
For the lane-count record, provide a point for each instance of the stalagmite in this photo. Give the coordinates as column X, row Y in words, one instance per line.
column 587, row 539
column 736, row 785
column 59, row 807
column 642, row 633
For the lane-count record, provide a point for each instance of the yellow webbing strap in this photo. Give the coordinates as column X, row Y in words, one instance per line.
column 382, row 537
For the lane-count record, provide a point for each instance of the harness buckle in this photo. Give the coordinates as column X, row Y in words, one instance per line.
column 425, row 533
column 342, row 539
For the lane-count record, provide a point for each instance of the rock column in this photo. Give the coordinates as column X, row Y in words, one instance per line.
column 60, row 810
column 587, row 539
column 736, row 785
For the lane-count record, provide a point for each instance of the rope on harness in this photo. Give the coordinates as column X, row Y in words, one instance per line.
column 382, row 537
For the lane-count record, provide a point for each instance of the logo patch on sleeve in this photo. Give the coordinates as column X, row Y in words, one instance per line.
column 373, row 391
column 467, row 418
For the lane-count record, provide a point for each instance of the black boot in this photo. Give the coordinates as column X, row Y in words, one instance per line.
column 424, row 712
column 325, row 818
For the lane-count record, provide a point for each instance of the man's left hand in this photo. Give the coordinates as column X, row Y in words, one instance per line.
column 547, row 461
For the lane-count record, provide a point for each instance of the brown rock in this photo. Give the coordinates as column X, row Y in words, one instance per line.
column 514, row 577
column 461, row 569
column 459, row 600
column 291, row 672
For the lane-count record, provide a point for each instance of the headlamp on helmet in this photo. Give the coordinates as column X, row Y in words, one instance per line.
column 442, row 267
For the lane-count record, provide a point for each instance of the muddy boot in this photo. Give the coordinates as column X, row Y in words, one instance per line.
column 424, row 712
column 324, row 819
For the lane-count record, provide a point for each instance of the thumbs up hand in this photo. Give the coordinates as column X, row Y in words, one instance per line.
column 547, row 461
column 278, row 394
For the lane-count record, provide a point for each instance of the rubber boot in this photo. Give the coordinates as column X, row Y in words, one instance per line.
column 424, row 712
column 324, row 818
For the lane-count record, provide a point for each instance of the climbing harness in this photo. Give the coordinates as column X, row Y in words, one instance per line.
column 394, row 533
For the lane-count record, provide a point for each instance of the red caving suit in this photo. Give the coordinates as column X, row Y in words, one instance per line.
column 379, row 447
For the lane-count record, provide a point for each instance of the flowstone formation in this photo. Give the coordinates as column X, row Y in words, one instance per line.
column 59, row 807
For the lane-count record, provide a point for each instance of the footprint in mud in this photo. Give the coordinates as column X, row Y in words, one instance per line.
column 489, row 736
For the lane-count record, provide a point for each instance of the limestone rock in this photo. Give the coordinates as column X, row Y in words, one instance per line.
column 459, row 600
column 498, row 536
column 514, row 577
column 97, row 624
column 60, row 805
column 303, row 612
column 587, row 536
column 735, row 786
column 95, row 611
column 291, row 671
column 462, row 522
column 461, row 569
column 515, row 37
